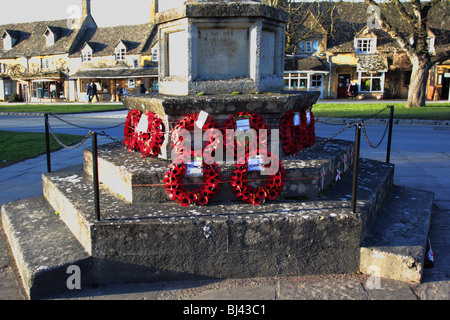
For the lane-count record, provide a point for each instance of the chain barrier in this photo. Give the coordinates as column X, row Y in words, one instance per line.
column 85, row 138
column 367, row 138
column 360, row 125
column 385, row 130
column 82, row 127
column 62, row 144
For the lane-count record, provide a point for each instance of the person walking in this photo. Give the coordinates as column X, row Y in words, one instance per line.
column 94, row 92
column 142, row 88
column 89, row 92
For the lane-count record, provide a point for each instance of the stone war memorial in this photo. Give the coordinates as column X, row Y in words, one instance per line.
column 220, row 175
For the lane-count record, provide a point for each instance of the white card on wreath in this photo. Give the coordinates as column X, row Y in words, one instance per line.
column 201, row 119
column 243, row 124
column 142, row 126
column 194, row 168
column 254, row 163
column 296, row 119
column 308, row 117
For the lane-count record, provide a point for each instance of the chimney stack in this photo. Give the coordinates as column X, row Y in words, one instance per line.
column 86, row 7
column 153, row 10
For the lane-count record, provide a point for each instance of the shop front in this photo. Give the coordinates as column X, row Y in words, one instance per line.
column 47, row 90
column 113, row 84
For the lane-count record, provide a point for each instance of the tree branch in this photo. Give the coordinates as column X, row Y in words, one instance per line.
column 393, row 32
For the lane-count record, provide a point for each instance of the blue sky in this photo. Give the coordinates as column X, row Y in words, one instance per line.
column 105, row 12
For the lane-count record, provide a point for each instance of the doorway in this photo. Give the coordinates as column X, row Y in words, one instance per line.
column 445, row 88
column 343, row 82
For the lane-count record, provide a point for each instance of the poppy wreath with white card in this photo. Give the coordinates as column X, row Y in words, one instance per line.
column 150, row 134
column 310, row 125
column 179, row 192
column 293, row 132
column 242, row 121
column 188, row 123
column 255, row 195
column 129, row 134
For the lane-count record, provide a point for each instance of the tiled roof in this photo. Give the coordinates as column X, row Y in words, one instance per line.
column 30, row 39
column 115, row 73
column 372, row 62
column 103, row 41
column 344, row 19
column 312, row 63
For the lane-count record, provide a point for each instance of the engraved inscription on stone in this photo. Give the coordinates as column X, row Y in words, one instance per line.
column 223, row 53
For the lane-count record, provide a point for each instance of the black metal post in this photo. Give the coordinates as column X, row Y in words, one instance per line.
column 391, row 123
column 95, row 176
column 356, row 166
column 47, row 143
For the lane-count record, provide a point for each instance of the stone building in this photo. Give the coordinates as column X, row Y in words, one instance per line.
column 330, row 45
column 54, row 60
column 337, row 44
column 114, row 58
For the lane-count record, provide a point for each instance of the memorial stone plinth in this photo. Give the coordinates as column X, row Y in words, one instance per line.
column 219, row 57
column 220, row 47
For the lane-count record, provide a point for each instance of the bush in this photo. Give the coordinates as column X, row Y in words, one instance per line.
column 14, row 98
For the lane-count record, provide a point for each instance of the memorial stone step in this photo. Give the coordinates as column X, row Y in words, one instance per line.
column 140, row 180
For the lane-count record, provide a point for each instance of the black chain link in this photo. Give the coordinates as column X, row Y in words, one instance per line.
column 91, row 132
column 62, row 144
column 81, row 127
column 367, row 138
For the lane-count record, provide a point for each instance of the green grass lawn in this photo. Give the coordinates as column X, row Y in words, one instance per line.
column 19, row 146
column 66, row 108
column 438, row 111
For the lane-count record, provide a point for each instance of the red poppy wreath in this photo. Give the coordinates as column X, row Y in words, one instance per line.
column 179, row 192
column 257, row 195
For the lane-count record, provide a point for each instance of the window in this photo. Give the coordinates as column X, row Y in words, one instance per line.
column 120, row 54
column 316, row 81
column 309, row 46
column 86, row 56
column 8, row 88
column 3, row 68
column 371, row 82
column 295, row 80
column 44, row 63
column 365, row 45
column 155, row 54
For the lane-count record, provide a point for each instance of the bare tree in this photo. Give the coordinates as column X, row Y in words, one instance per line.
column 415, row 15
column 305, row 19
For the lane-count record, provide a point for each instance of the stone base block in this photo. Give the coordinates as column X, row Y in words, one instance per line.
column 140, row 180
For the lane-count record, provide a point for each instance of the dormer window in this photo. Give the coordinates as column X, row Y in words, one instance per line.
column 49, row 38
column 9, row 40
column 309, row 46
column 86, row 54
column 365, row 45
column 120, row 54
column 121, row 51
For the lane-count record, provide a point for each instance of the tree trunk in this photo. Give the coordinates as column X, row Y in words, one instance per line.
column 417, row 92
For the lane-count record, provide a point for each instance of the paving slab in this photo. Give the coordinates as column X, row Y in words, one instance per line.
column 394, row 247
